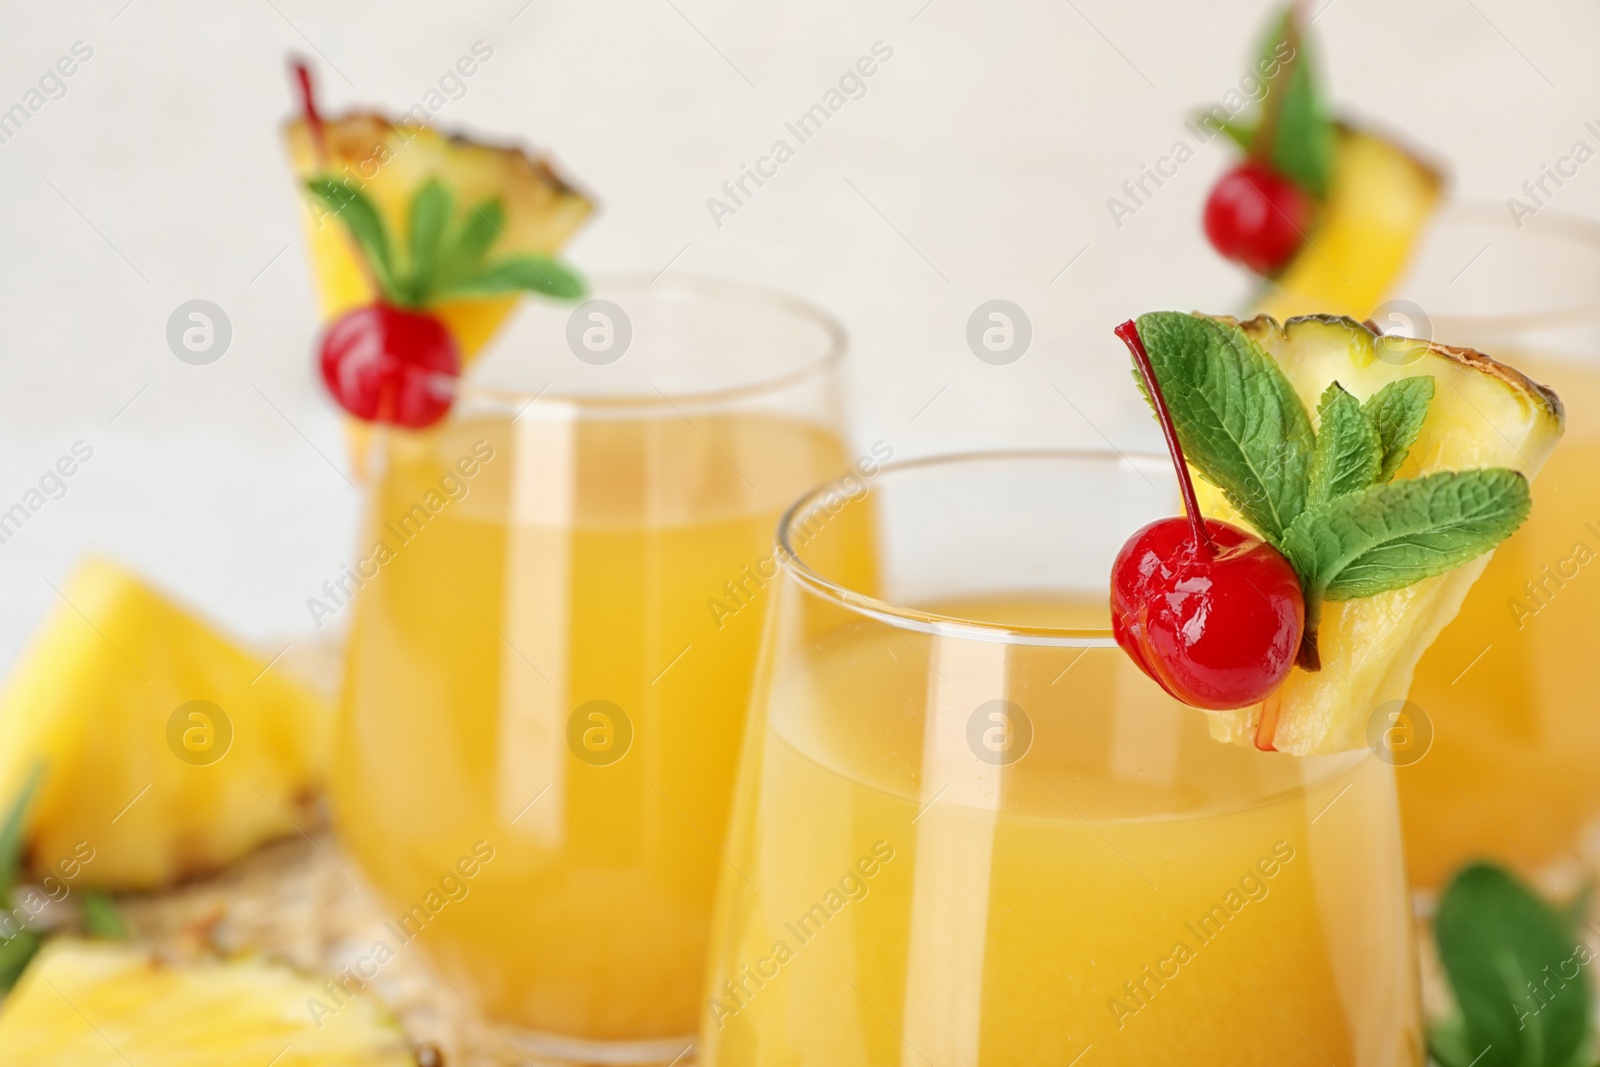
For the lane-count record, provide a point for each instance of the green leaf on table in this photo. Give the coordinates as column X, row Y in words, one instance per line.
column 538, row 274
column 13, row 832
column 21, row 944
column 1517, row 969
column 1241, row 423
column 101, row 917
column 1349, row 451
column 1392, row 535
column 430, row 214
column 352, row 207
column 1398, row 411
column 16, row 952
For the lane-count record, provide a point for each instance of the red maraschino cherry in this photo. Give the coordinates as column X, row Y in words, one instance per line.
column 388, row 364
column 1257, row 217
column 1210, row 611
column 382, row 363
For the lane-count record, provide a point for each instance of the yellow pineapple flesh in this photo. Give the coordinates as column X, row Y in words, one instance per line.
column 153, row 786
column 1483, row 414
column 389, row 162
column 87, row 1004
column 1379, row 201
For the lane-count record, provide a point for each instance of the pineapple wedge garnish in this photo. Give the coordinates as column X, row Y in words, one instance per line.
column 155, row 795
column 87, row 1004
column 1379, row 201
column 1483, row 414
column 389, row 163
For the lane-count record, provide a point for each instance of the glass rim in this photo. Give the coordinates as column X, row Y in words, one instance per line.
column 1564, row 226
column 829, row 356
column 903, row 616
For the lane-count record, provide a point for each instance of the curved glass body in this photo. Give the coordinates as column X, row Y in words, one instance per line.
column 550, row 660
column 969, row 831
column 1508, row 686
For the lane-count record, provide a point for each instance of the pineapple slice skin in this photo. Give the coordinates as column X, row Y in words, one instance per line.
column 89, row 1004
column 1484, row 414
column 1380, row 200
column 90, row 702
column 390, row 162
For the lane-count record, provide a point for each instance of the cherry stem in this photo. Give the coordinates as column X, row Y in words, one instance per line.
column 319, row 139
column 308, row 105
column 1130, row 337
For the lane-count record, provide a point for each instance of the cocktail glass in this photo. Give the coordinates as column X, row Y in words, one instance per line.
column 969, row 831
column 1499, row 742
column 550, row 659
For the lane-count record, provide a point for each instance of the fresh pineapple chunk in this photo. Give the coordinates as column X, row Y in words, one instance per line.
column 1483, row 414
column 390, row 163
column 1380, row 199
column 85, row 1004
column 154, row 793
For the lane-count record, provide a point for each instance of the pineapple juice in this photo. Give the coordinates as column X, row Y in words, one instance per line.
column 1509, row 685
column 1129, row 891
column 550, row 667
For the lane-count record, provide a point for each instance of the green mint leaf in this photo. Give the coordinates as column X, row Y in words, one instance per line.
column 1398, row 410
column 1518, row 972
column 1392, row 535
column 1450, row 1044
column 430, row 214
column 361, row 218
column 1348, row 452
column 102, row 918
column 538, row 274
column 1239, row 133
column 1295, row 137
column 1240, row 421
column 16, row 952
column 479, row 231
column 1304, row 148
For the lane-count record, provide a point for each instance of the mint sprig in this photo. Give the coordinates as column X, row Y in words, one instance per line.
column 1519, row 973
column 1349, row 450
column 445, row 258
column 1325, row 498
column 1397, row 410
column 1294, row 133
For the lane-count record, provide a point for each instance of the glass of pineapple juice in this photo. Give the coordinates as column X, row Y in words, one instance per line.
column 552, row 651
column 1507, row 689
column 969, row 831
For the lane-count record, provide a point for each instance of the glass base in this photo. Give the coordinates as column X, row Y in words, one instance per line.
column 667, row 1051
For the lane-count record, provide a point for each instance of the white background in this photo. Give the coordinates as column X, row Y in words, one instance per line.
column 977, row 166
